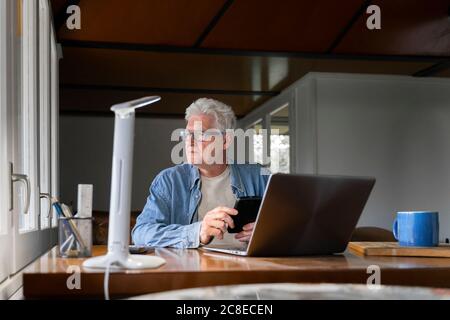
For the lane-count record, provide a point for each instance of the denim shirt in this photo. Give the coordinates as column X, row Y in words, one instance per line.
column 170, row 219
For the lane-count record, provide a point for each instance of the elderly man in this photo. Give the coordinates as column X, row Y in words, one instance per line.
column 191, row 204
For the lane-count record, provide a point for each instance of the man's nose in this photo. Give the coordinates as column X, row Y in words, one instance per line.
column 190, row 140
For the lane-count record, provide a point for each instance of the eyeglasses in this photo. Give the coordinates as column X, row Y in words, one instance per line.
column 200, row 136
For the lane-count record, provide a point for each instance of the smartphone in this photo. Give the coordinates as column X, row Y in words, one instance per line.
column 247, row 208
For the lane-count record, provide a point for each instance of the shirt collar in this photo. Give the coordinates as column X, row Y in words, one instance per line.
column 236, row 181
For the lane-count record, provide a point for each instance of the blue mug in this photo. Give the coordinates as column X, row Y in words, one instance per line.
column 417, row 228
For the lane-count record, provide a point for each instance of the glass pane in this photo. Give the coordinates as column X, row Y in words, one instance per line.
column 258, row 145
column 53, row 123
column 20, row 152
column 3, row 142
column 25, row 152
column 44, row 111
column 279, row 140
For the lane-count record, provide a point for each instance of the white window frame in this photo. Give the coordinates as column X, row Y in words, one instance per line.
column 47, row 42
column 26, row 243
column 269, row 126
column 54, row 120
column 5, row 97
column 44, row 114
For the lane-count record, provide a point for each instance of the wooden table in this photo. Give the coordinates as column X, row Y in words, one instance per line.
column 48, row 276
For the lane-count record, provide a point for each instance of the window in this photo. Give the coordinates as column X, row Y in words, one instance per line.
column 272, row 142
column 24, row 142
column 31, row 123
column 258, row 144
column 26, row 118
column 279, row 140
column 5, row 234
column 54, row 123
column 44, row 115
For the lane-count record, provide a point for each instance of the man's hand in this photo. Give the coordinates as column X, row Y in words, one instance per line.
column 246, row 233
column 215, row 223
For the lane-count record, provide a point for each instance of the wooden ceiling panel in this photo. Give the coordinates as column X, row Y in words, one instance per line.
column 443, row 74
column 159, row 22
column 408, row 27
column 290, row 25
column 367, row 67
column 95, row 78
column 152, row 69
column 58, row 6
column 85, row 93
column 211, row 72
column 277, row 77
column 171, row 104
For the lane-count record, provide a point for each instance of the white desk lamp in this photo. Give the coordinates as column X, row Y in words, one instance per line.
column 119, row 213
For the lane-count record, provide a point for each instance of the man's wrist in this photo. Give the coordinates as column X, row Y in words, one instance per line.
column 202, row 243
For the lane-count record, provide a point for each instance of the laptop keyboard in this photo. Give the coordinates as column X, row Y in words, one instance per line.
column 235, row 248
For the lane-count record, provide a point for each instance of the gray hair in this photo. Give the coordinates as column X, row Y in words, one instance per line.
column 222, row 113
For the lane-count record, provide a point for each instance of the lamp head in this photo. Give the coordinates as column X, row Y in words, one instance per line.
column 124, row 109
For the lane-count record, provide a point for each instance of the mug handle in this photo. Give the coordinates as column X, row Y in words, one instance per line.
column 395, row 229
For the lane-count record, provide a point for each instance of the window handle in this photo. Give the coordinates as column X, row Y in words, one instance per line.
column 49, row 198
column 16, row 177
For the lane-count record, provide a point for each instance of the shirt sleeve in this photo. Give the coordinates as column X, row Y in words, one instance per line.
column 153, row 226
column 264, row 177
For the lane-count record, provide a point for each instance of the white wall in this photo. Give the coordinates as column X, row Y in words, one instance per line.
column 394, row 128
column 86, row 151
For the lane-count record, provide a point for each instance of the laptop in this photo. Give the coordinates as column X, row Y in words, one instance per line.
column 305, row 215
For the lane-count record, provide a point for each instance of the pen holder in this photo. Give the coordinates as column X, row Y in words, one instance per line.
column 75, row 237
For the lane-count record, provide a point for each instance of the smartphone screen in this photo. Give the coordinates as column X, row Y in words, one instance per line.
column 247, row 208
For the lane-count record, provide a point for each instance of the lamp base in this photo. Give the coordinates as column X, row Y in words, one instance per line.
column 131, row 261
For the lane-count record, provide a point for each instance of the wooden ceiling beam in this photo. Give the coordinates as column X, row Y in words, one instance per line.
column 349, row 25
column 213, row 23
column 234, row 52
column 434, row 69
column 168, row 90
column 109, row 114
